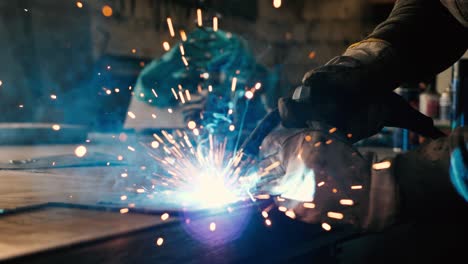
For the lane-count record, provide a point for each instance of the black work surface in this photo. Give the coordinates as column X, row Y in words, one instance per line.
column 437, row 239
column 67, row 236
column 284, row 241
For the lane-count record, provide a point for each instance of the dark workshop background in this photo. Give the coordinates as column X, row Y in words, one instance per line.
column 55, row 47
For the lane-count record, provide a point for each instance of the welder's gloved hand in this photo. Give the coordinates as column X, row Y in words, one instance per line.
column 316, row 168
column 192, row 110
column 352, row 92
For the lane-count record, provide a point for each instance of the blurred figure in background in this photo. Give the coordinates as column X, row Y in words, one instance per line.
column 209, row 80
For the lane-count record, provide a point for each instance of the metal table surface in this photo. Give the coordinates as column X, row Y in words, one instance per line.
column 66, row 215
column 56, row 215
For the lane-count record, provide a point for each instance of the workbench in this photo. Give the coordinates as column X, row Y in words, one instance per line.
column 73, row 215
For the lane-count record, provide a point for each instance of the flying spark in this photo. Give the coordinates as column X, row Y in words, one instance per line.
column 80, row 151
column 107, row 11
column 346, row 202
column 131, row 115
column 233, row 84
column 215, row 24
column 326, row 226
column 312, row 55
column 290, row 214
column 382, row 165
column 276, row 3
column 212, row 226
column 199, row 18
column 159, row 241
column 181, row 48
column 191, row 124
column 263, row 196
column 166, row 46
column 154, row 144
column 184, row 60
column 183, row 35
column 171, row 28
column 249, row 95
column 164, row 216
column 335, row 215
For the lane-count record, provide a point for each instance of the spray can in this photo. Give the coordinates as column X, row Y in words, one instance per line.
column 429, row 102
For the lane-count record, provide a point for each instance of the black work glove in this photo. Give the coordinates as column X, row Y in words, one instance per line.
column 353, row 92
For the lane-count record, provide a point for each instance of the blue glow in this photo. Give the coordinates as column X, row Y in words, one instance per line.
column 459, row 173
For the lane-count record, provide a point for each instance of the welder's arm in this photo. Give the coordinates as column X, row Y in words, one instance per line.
column 353, row 91
column 424, row 39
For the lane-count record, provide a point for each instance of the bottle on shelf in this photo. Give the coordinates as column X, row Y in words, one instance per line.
column 429, row 101
column 445, row 106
